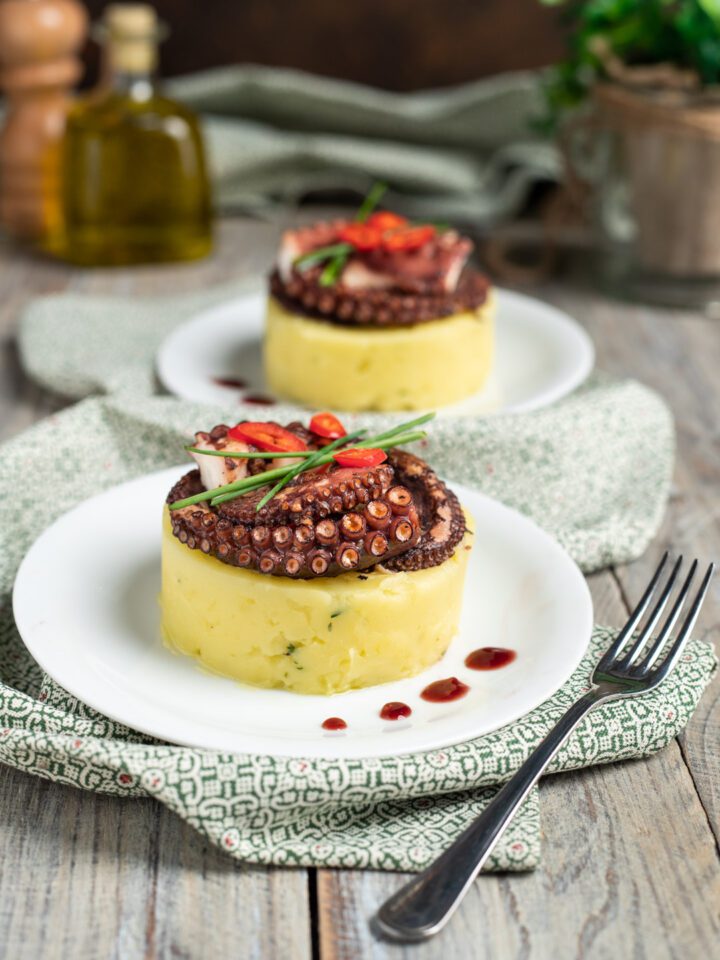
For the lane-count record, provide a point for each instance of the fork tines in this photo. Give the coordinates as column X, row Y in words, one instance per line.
column 632, row 655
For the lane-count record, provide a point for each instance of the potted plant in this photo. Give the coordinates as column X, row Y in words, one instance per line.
column 643, row 81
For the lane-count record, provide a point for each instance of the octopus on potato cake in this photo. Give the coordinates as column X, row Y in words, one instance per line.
column 326, row 521
column 387, row 280
column 395, row 304
column 310, row 558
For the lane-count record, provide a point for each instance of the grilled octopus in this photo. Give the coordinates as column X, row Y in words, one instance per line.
column 378, row 288
column 398, row 514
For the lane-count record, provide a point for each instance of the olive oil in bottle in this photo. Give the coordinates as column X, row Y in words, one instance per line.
column 135, row 186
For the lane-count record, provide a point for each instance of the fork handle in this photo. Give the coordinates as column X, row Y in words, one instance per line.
column 425, row 904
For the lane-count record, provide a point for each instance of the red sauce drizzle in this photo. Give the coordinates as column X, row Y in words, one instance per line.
column 441, row 691
column 259, row 399
column 395, row 711
column 489, row 658
column 230, row 382
column 333, row 723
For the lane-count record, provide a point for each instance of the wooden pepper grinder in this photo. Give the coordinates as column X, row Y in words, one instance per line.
column 39, row 42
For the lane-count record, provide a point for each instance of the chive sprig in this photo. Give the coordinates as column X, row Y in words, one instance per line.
column 407, row 432
column 337, row 253
column 308, row 464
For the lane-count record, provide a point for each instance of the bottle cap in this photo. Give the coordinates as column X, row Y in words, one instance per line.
column 132, row 31
column 131, row 19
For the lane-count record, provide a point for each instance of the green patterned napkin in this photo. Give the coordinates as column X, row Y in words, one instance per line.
column 77, row 345
column 464, row 152
column 594, row 470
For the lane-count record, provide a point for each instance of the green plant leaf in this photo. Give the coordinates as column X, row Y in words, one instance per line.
column 685, row 33
column 711, row 8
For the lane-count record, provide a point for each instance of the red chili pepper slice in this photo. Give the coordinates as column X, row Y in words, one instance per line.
column 360, row 457
column 327, row 425
column 411, row 239
column 361, row 236
column 384, row 220
column 267, row 436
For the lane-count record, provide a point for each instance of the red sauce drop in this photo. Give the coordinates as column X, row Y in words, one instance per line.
column 230, row 382
column 395, row 711
column 333, row 723
column 443, row 690
column 259, row 399
column 489, row 658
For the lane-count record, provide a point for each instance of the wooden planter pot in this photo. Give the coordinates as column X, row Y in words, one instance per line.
column 666, row 150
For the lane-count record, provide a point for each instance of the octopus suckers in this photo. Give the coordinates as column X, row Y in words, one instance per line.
column 398, row 514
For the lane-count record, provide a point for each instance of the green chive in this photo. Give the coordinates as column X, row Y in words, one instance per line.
column 233, row 494
column 371, row 201
column 323, row 456
column 402, row 433
column 228, row 487
column 261, row 480
column 322, row 253
column 249, row 454
column 333, row 270
column 338, row 253
column 226, row 497
column 308, row 465
column 376, row 444
column 404, row 427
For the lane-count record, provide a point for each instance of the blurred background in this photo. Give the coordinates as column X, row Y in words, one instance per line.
column 540, row 127
column 393, row 44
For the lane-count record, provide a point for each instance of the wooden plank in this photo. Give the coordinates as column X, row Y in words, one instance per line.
column 677, row 353
column 692, row 528
column 86, row 876
column 243, row 248
column 632, row 870
column 629, row 869
column 21, row 403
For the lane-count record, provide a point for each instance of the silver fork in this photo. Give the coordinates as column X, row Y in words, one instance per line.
column 424, row 905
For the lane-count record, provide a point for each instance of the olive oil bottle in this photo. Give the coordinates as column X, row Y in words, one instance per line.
column 135, row 186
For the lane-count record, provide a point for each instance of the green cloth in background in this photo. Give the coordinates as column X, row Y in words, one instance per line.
column 463, row 153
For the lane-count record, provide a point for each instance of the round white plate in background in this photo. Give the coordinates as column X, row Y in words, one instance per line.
column 86, row 605
column 542, row 354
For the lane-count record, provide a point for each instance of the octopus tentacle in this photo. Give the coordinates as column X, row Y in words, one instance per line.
column 319, row 561
column 376, row 544
column 347, row 556
column 441, row 514
column 377, row 514
column 326, row 532
column 380, row 306
column 353, row 526
column 399, row 499
column 398, row 514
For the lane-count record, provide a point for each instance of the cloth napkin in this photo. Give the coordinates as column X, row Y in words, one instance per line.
column 593, row 469
column 394, row 813
column 467, row 152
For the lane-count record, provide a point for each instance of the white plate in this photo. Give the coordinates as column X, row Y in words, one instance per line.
column 85, row 602
column 541, row 355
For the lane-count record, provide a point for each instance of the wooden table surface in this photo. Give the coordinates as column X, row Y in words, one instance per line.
column 630, row 851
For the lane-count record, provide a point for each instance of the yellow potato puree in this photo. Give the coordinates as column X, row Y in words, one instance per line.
column 326, row 365
column 311, row 636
